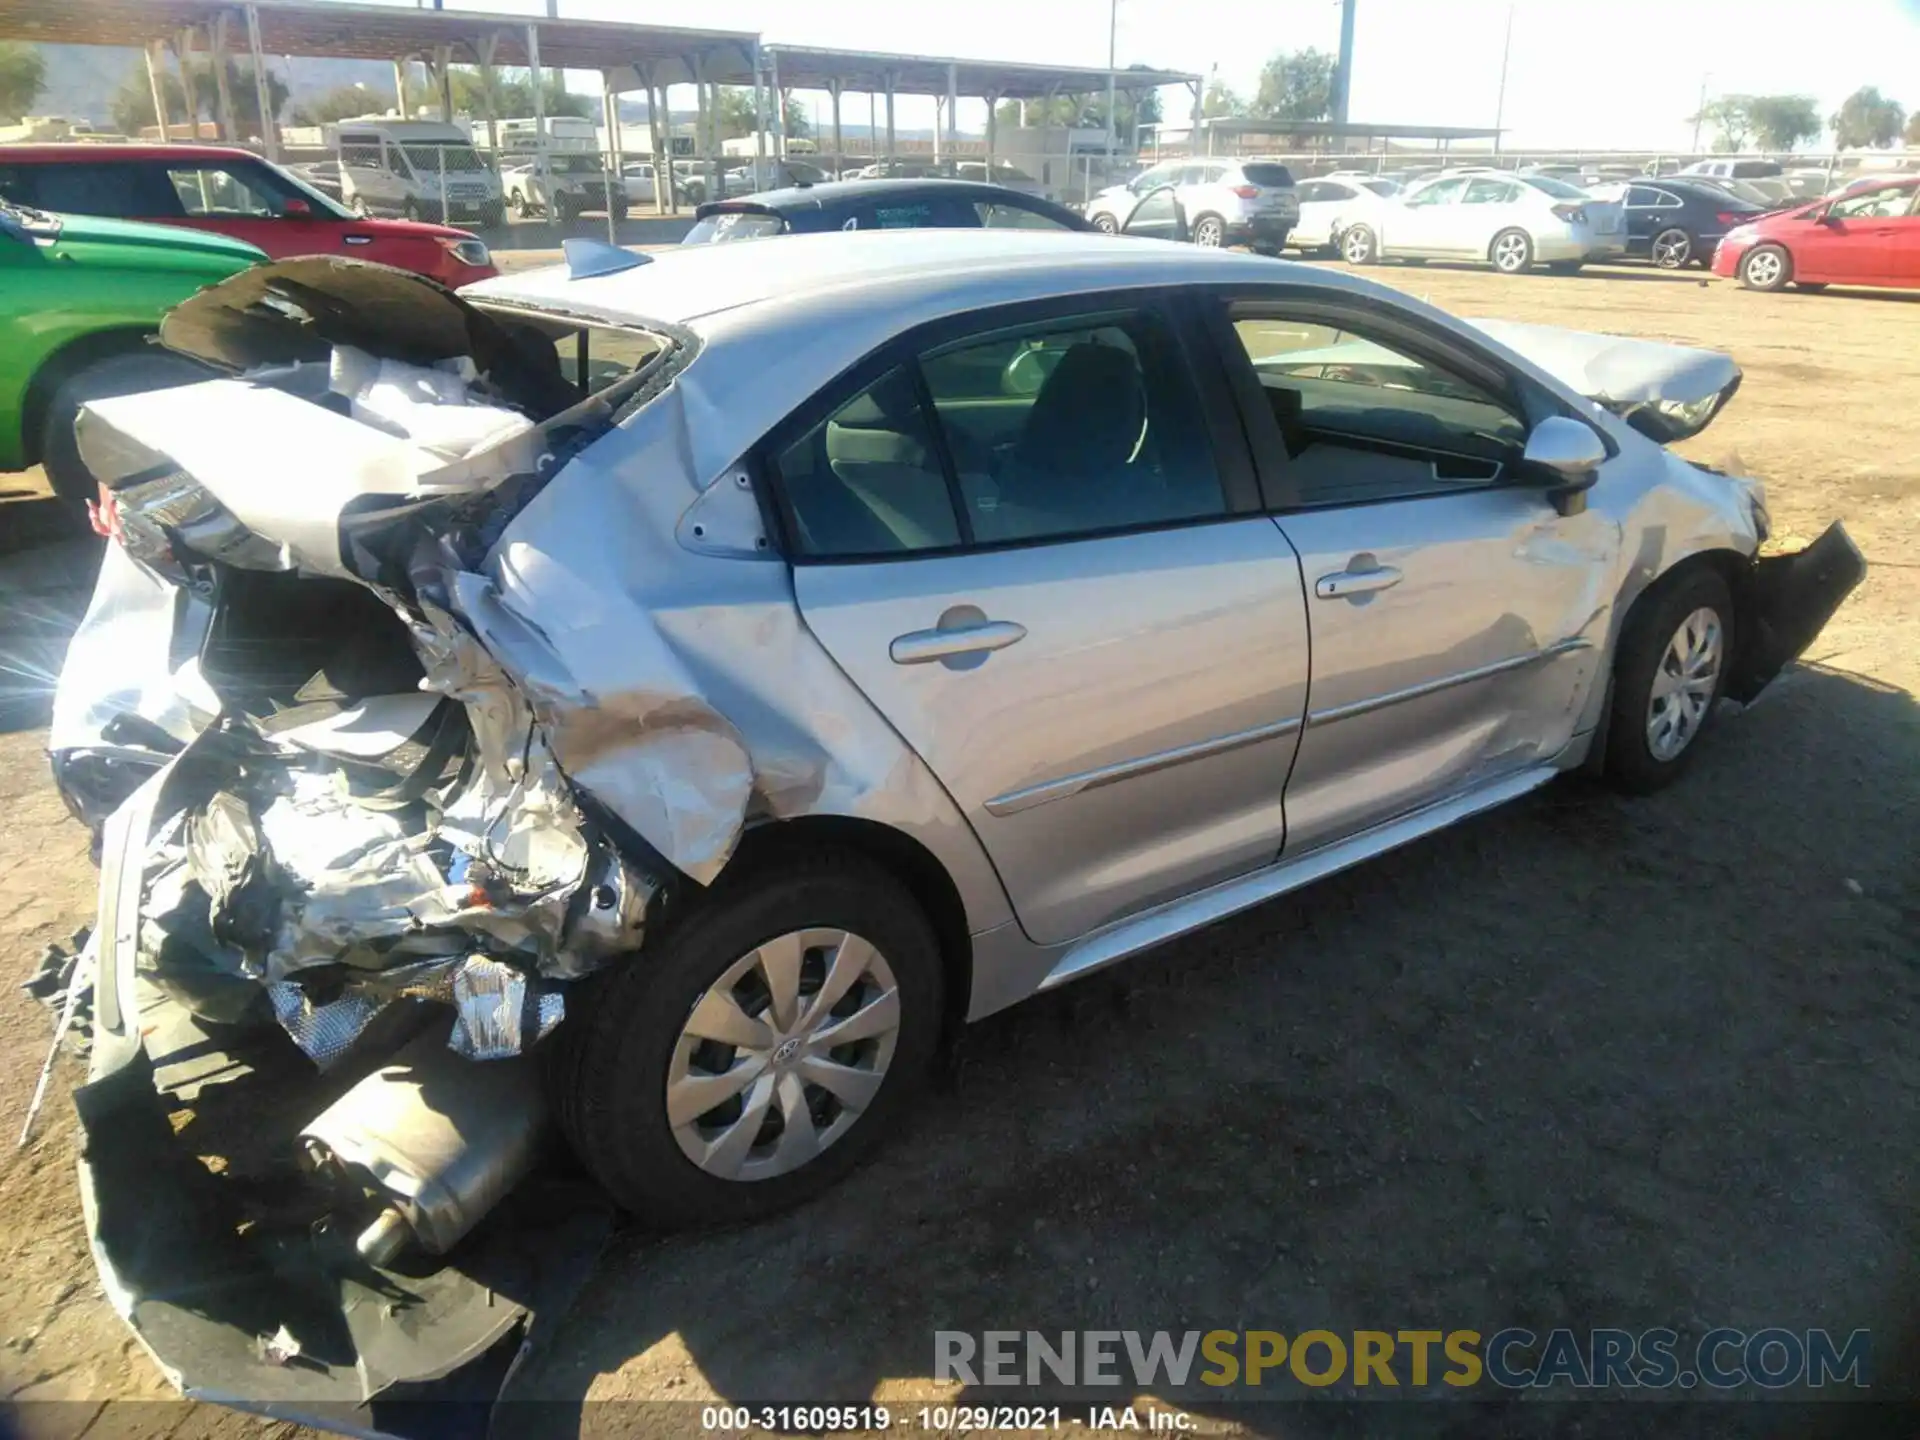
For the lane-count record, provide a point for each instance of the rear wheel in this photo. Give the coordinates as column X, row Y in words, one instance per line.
column 1670, row 669
column 1511, row 252
column 411, row 210
column 1106, row 224
column 1359, row 247
column 760, row 1050
column 518, row 201
column 128, row 374
column 1766, row 267
column 1210, row 232
column 1672, row 248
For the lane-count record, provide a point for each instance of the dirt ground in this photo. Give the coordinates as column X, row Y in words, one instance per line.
column 1586, row 1061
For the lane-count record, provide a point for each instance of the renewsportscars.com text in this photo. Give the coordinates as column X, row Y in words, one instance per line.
column 1772, row 1358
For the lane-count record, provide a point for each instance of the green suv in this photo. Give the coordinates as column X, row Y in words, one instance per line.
column 80, row 300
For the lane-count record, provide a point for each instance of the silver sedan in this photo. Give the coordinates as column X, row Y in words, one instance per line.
column 731, row 670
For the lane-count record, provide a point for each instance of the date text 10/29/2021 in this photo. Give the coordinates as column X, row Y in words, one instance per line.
column 945, row 1419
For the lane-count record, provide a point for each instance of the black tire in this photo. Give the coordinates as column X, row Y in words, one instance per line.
column 1106, row 224
column 607, row 1075
column 1510, row 258
column 565, row 211
column 1266, row 248
column 1210, row 232
column 1672, row 249
column 619, row 213
column 1631, row 764
column 411, row 209
column 1766, row 267
column 148, row 368
column 1809, row 287
column 1359, row 245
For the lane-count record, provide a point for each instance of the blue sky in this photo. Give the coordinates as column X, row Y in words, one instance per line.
column 1619, row 74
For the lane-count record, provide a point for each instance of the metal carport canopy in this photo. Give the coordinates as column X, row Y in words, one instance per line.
column 804, row 67
column 382, row 32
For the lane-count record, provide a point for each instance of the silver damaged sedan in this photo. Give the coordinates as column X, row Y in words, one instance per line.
column 664, row 696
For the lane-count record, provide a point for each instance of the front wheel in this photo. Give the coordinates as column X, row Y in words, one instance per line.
column 411, row 210
column 1106, row 224
column 1670, row 669
column 1765, row 267
column 1209, row 232
column 1672, row 249
column 1359, row 247
column 1511, row 252
column 759, row 1051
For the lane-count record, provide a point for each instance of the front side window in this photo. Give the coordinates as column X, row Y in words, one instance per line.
column 229, row 190
column 1364, row 420
column 1441, row 192
column 429, row 159
column 1490, row 192
column 1043, row 432
column 1881, row 204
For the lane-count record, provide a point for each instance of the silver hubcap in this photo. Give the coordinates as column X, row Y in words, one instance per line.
column 1671, row 249
column 1763, row 268
column 1359, row 245
column 1207, row 233
column 1510, row 252
column 782, row 1054
column 1683, row 685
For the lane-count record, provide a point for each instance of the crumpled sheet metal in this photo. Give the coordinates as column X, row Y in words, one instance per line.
column 680, row 689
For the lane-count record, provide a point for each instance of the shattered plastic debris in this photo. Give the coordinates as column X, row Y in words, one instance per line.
column 280, row 1348
column 495, row 1010
column 428, row 405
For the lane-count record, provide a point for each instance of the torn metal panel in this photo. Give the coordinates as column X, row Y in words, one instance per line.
column 1667, row 392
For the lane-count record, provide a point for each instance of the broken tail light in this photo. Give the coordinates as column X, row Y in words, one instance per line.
column 1576, row 214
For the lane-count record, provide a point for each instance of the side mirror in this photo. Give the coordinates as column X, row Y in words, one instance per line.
column 1568, row 456
column 296, row 210
column 1823, row 216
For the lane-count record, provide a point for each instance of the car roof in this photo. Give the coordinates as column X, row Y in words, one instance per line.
column 48, row 153
column 836, row 192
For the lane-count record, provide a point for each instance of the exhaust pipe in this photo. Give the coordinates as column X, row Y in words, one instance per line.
column 436, row 1139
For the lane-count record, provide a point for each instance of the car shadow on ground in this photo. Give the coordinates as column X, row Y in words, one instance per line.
column 1574, row 1063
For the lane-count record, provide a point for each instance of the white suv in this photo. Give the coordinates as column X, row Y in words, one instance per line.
column 1227, row 202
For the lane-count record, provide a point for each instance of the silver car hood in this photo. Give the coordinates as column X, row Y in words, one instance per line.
column 1667, row 392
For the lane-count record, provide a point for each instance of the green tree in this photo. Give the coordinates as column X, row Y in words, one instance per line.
column 1295, row 86
column 23, row 75
column 1781, row 122
column 343, row 103
column 1222, row 100
column 132, row 103
column 1867, row 117
column 1912, row 137
column 736, row 115
column 1730, row 117
column 1068, row 111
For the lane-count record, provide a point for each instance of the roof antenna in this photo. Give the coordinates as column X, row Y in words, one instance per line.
column 587, row 259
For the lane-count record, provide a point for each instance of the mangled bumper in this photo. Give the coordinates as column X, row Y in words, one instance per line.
column 1789, row 600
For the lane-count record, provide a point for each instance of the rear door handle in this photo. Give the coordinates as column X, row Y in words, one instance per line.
column 356, row 239
column 918, row 647
column 1344, row 583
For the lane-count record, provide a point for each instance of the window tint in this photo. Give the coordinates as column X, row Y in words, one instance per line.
column 1639, row 197
column 733, row 225
column 126, row 189
column 903, row 214
column 360, row 155
column 1365, row 421
column 231, row 190
column 867, row 480
column 1490, row 192
column 1267, row 174
column 1071, row 429
column 997, row 215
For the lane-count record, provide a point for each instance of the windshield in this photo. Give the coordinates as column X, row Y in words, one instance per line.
column 425, row 157
column 1558, row 189
column 578, row 164
column 1267, row 175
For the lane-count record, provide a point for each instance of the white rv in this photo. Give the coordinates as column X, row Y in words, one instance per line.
column 397, row 167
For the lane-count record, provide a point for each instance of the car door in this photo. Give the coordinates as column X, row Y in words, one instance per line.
column 1320, row 202
column 1424, row 220
column 251, row 203
column 1903, row 255
column 1643, row 204
column 1487, row 206
column 1853, row 243
column 1062, row 593
column 1157, row 215
column 1457, row 618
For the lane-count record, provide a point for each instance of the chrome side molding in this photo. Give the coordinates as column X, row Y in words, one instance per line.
column 1014, row 801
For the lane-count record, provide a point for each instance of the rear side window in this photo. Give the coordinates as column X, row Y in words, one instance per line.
column 1270, row 176
column 939, row 213
column 1045, row 432
column 121, row 189
column 997, row 215
column 734, row 225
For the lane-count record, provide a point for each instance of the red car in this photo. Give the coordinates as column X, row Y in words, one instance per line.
column 233, row 192
column 1870, row 237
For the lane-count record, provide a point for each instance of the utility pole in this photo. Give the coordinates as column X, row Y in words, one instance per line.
column 1113, row 122
column 1700, row 111
column 1500, row 105
column 1343, row 72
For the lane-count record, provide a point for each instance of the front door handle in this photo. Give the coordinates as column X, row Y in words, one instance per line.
column 1344, row 583
column 918, row 647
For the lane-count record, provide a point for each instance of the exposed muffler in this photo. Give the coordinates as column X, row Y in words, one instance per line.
column 431, row 1141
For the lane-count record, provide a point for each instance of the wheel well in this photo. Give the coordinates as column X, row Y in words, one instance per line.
column 908, row 861
column 70, row 359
